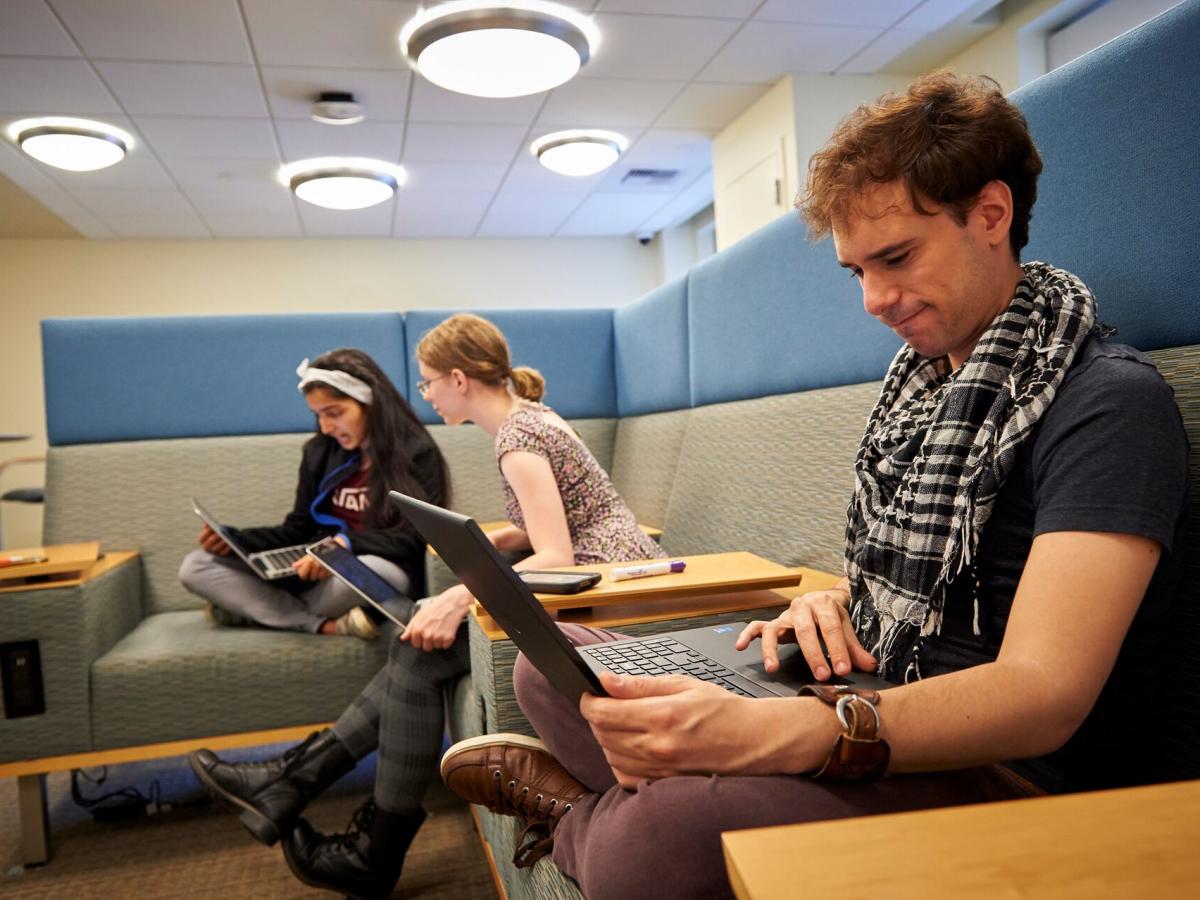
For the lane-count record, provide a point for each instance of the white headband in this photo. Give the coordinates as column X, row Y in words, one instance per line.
column 342, row 381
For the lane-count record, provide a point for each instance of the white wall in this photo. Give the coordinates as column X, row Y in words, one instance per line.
column 1099, row 26
column 122, row 278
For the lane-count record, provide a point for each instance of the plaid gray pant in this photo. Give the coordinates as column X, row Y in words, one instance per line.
column 402, row 712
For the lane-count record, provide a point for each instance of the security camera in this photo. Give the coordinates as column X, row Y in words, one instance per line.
column 645, row 237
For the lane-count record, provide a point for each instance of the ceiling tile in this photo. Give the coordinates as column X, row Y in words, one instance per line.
column 682, row 207
column 710, row 106
column 376, row 140
column 138, row 170
column 73, row 213
column 173, row 30
column 374, row 221
column 426, row 177
column 174, row 138
column 934, row 14
column 292, row 91
column 185, row 89
column 233, row 177
column 527, row 215
column 463, row 143
column 431, row 103
column 656, row 47
column 621, row 102
column 28, row 28
column 254, row 226
column 671, row 147
column 882, row 51
column 528, row 176
column 362, row 34
column 51, row 87
column 157, row 204
column 429, row 214
column 763, row 51
column 721, row 9
column 881, row 13
column 611, row 214
column 262, row 201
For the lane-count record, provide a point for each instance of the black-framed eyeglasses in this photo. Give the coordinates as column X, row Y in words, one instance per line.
column 423, row 386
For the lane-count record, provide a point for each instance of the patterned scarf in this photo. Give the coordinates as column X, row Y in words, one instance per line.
column 937, row 449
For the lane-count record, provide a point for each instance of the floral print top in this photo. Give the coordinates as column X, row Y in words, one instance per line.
column 603, row 529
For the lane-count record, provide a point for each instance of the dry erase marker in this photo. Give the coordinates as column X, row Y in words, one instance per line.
column 655, row 568
column 21, row 560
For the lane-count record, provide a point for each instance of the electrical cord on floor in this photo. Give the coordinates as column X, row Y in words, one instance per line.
column 125, row 803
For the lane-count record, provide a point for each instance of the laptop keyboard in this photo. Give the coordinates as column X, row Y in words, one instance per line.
column 283, row 558
column 662, row 656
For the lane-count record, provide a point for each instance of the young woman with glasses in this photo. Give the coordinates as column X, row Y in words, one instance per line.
column 563, row 508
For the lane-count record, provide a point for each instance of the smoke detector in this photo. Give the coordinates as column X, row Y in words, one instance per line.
column 337, row 108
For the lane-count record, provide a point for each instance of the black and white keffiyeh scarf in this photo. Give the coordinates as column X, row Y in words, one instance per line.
column 937, row 449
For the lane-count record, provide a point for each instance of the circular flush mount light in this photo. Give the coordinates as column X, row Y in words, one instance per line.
column 579, row 153
column 499, row 49
column 78, row 145
column 342, row 182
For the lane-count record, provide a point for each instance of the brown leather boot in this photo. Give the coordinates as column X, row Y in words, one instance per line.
column 514, row 775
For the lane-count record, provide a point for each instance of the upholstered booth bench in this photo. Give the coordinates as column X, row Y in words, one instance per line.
column 727, row 404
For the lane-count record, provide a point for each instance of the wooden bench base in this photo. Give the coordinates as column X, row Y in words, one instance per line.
column 31, row 774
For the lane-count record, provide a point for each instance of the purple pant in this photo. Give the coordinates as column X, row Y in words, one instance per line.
column 664, row 839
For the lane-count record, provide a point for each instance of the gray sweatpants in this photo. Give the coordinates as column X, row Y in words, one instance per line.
column 664, row 839
column 227, row 582
column 402, row 712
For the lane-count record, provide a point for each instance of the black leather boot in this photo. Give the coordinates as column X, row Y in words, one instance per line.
column 270, row 795
column 364, row 862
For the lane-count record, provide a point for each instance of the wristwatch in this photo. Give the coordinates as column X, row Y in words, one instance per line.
column 859, row 753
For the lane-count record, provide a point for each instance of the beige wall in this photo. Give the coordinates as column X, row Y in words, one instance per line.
column 121, row 278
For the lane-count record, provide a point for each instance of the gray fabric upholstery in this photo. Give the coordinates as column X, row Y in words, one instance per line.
column 644, row 461
column 176, row 676
column 73, row 626
column 773, row 475
column 134, row 496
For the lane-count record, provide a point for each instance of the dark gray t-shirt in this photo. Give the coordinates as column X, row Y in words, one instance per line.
column 1110, row 454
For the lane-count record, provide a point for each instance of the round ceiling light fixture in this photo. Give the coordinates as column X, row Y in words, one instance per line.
column 579, row 153
column 338, row 182
column 77, row 145
column 499, row 49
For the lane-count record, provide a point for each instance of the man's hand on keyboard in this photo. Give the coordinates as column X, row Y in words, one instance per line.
column 653, row 727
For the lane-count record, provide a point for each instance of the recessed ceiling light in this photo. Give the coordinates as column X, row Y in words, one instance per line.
column 337, row 182
column 78, row 145
column 499, row 49
column 579, row 153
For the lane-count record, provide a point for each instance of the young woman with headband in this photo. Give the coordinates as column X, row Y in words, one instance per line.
column 563, row 508
column 369, row 441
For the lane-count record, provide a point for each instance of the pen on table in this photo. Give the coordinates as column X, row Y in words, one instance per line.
column 655, row 568
column 20, row 560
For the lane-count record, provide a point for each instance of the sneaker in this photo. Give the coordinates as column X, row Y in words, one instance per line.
column 514, row 775
column 356, row 622
column 218, row 616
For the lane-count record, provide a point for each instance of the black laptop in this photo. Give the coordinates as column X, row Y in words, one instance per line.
column 707, row 653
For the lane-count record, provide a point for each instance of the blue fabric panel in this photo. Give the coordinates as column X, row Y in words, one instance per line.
column 572, row 348
column 774, row 314
column 1119, row 200
column 652, row 351
column 121, row 379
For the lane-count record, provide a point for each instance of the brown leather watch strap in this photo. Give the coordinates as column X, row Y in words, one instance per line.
column 859, row 754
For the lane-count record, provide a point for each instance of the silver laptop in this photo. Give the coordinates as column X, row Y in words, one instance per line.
column 268, row 565
column 358, row 576
column 707, row 653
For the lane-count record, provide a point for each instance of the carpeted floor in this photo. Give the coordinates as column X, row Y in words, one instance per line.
column 195, row 849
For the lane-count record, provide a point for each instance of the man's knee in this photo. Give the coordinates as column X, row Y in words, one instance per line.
column 193, row 568
column 529, row 684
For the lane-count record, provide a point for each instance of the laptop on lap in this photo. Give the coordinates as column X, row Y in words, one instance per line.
column 707, row 653
column 358, row 576
column 268, row 565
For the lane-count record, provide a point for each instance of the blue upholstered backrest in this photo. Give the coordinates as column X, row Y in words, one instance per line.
column 1119, row 201
column 572, row 348
column 121, row 379
column 1118, row 205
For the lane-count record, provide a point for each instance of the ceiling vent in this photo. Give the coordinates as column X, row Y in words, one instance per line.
column 650, row 177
